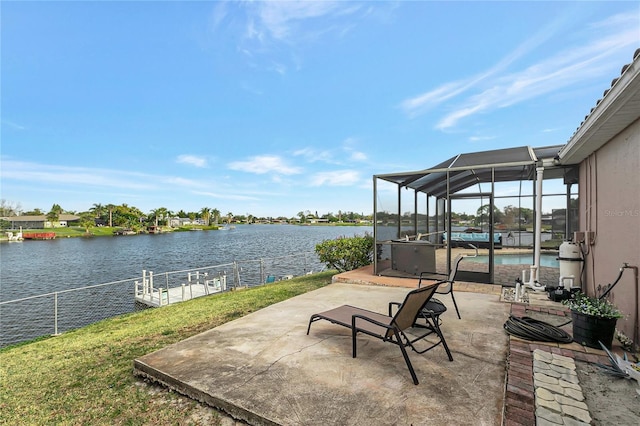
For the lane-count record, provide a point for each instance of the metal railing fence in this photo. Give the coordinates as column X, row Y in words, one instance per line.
column 57, row 312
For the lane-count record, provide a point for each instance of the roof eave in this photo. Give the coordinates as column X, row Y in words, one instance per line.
column 614, row 113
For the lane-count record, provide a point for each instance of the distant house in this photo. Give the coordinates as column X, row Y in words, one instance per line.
column 177, row 222
column 318, row 220
column 41, row 221
column 606, row 148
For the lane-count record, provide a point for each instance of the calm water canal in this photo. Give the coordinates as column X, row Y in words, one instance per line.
column 32, row 268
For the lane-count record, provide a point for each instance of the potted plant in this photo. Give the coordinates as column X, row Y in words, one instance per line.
column 593, row 320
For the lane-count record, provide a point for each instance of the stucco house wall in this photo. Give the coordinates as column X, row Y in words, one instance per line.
column 40, row 222
column 606, row 147
column 609, row 206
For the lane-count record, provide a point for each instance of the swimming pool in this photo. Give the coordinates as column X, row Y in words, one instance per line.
column 548, row 260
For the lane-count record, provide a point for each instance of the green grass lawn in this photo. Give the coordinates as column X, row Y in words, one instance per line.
column 75, row 231
column 85, row 376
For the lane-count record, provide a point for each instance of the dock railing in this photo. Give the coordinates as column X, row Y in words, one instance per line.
column 56, row 312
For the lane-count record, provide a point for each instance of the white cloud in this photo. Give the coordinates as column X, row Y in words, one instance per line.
column 13, row 125
column 178, row 181
column 350, row 147
column 334, row 156
column 235, row 197
column 359, row 156
column 336, row 178
column 312, row 155
column 45, row 174
column 84, row 177
column 282, row 20
column 274, row 31
column 481, row 138
column 263, row 164
column 419, row 104
column 218, row 14
column 192, row 160
column 495, row 88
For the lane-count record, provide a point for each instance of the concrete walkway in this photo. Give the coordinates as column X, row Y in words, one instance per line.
column 264, row 368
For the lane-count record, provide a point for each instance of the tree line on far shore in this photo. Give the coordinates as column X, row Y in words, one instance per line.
column 132, row 217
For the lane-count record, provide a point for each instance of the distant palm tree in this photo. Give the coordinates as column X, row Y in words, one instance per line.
column 160, row 214
column 216, row 215
column 229, row 217
column 87, row 221
column 98, row 210
column 110, row 208
column 205, row 212
column 54, row 214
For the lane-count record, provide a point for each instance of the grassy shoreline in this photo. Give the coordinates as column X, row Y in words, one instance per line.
column 85, row 376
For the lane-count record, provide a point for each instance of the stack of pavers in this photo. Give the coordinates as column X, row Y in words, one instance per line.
column 558, row 395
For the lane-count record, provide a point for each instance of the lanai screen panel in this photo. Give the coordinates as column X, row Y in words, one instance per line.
column 459, row 174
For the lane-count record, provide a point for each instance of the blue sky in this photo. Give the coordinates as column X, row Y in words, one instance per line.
column 272, row 108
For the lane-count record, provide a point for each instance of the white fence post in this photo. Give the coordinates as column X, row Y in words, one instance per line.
column 145, row 284
column 236, row 275
column 262, row 277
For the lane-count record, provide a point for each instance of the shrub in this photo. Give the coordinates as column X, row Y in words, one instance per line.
column 345, row 254
column 587, row 305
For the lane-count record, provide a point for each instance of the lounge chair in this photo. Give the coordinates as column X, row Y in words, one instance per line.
column 447, row 285
column 390, row 328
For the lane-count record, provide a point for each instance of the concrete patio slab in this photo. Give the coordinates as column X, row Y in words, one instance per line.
column 264, row 368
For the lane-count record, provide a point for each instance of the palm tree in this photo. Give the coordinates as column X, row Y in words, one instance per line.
column 86, row 221
column 229, row 217
column 54, row 214
column 153, row 214
column 216, row 215
column 161, row 213
column 110, row 207
column 205, row 212
column 97, row 209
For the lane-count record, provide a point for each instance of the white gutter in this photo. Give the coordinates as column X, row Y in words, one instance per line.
column 614, row 112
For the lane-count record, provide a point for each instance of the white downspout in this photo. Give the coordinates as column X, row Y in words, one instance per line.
column 534, row 270
column 538, row 236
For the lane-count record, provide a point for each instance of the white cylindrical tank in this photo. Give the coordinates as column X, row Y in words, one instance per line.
column 570, row 259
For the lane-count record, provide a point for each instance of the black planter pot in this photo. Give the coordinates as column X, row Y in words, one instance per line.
column 588, row 330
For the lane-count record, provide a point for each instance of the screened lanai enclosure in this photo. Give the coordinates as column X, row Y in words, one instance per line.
column 513, row 200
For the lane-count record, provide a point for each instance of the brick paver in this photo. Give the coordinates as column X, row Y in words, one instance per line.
column 533, row 397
